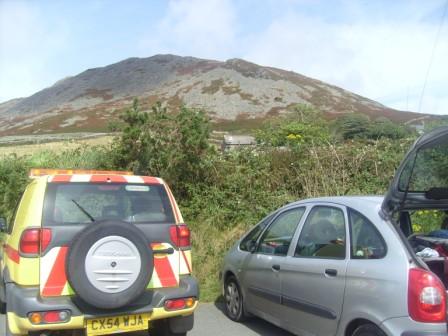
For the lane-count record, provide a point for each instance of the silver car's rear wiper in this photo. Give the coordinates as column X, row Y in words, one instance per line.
column 84, row 210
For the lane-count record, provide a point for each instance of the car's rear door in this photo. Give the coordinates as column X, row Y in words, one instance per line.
column 313, row 275
column 421, row 181
column 147, row 203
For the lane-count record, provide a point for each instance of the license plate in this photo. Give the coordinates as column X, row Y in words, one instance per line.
column 117, row 324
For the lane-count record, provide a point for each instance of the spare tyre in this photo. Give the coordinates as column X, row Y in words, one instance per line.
column 109, row 264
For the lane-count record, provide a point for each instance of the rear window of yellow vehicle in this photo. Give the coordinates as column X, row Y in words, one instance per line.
column 81, row 203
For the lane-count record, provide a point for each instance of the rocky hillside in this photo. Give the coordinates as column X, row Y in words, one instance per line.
column 229, row 91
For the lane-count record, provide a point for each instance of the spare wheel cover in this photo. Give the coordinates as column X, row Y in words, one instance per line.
column 109, row 264
column 113, row 264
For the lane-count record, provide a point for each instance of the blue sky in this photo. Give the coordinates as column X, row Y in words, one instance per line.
column 379, row 49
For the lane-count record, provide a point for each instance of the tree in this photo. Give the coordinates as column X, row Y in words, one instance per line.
column 172, row 146
column 128, row 146
column 351, row 126
column 384, row 128
column 193, row 132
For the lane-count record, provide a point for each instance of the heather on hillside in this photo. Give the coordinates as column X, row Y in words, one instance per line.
column 231, row 92
column 224, row 194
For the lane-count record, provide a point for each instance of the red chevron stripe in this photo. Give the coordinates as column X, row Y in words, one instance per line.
column 12, row 253
column 61, row 178
column 166, row 275
column 57, row 279
column 150, row 180
column 108, row 178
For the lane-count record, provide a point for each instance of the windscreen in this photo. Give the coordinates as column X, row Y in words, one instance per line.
column 426, row 169
column 82, row 203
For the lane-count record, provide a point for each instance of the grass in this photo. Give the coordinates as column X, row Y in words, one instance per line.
column 209, row 247
column 31, row 149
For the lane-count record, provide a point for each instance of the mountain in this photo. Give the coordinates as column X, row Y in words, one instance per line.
column 234, row 90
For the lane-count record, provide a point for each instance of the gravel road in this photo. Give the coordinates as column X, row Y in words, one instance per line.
column 209, row 319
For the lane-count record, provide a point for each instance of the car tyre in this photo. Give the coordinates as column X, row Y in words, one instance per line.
column 3, row 295
column 76, row 258
column 368, row 330
column 234, row 304
column 2, row 307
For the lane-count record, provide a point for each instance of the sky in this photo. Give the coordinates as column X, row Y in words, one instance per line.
column 395, row 52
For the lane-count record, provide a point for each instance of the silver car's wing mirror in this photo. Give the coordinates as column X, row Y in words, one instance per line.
column 252, row 246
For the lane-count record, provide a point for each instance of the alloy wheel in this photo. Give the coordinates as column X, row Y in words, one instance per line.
column 233, row 299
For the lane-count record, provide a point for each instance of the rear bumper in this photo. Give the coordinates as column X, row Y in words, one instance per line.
column 405, row 326
column 23, row 300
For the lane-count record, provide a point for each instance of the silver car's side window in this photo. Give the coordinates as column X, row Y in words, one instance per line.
column 323, row 234
column 278, row 236
column 366, row 241
column 250, row 241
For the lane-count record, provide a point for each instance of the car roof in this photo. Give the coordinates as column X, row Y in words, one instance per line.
column 91, row 176
column 99, row 178
column 368, row 205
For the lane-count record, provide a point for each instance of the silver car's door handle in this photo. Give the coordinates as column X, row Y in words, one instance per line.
column 331, row 272
column 276, row 268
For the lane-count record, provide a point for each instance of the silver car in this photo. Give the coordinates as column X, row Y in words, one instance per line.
column 348, row 266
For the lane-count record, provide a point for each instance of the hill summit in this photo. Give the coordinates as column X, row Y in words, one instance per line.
column 227, row 91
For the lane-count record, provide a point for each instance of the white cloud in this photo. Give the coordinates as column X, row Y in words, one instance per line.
column 26, row 46
column 379, row 60
column 383, row 56
column 435, row 100
column 194, row 28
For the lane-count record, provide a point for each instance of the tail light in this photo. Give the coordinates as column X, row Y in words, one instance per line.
column 177, row 304
column 180, row 235
column 34, row 240
column 56, row 316
column 426, row 297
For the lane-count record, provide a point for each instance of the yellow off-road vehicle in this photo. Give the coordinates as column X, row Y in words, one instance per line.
column 96, row 253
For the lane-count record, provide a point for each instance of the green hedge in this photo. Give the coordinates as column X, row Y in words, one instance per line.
column 222, row 195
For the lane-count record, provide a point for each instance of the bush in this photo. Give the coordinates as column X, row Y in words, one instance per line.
column 245, row 186
column 384, row 128
column 13, row 180
column 352, row 126
column 305, row 125
column 359, row 126
column 14, row 170
column 223, row 195
column 441, row 121
column 157, row 143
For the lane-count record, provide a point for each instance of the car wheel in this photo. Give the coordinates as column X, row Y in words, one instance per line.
column 368, row 330
column 234, row 300
column 102, row 250
column 3, row 295
column 2, row 307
